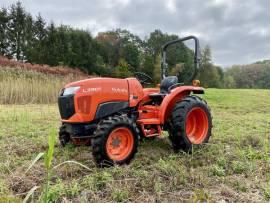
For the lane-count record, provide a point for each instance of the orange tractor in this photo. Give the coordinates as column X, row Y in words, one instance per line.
column 112, row 114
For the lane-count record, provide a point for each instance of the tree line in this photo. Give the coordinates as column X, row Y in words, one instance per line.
column 255, row 75
column 117, row 53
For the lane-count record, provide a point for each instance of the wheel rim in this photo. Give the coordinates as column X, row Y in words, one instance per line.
column 119, row 144
column 197, row 125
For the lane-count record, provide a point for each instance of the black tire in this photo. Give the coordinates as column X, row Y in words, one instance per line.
column 99, row 141
column 177, row 123
column 64, row 137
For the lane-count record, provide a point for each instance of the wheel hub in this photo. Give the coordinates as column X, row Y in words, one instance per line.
column 116, row 142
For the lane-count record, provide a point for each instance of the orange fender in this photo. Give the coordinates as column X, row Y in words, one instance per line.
column 176, row 95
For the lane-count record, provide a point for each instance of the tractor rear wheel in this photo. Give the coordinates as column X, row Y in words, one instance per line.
column 190, row 123
column 115, row 141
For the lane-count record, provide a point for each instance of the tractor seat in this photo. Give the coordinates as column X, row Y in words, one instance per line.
column 166, row 83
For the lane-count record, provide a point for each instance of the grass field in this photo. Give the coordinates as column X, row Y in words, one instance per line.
column 233, row 167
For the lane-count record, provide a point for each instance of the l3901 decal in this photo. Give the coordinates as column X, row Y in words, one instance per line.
column 91, row 89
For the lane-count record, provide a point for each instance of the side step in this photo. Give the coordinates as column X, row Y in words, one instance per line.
column 150, row 127
column 149, row 121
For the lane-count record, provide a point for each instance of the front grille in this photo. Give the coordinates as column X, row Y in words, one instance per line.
column 84, row 104
column 66, row 106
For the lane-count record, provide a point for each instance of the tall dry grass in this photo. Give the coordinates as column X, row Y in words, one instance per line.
column 20, row 86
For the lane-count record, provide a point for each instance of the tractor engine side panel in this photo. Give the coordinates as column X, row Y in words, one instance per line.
column 94, row 94
column 135, row 91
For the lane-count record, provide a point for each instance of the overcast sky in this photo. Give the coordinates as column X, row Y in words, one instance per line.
column 238, row 31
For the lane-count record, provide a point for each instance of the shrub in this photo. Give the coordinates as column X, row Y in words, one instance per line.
column 57, row 70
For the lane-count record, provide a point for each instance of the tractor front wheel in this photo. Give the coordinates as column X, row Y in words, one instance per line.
column 191, row 123
column 115, row 141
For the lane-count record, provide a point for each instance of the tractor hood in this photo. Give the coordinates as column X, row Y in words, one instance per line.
column 82, row 99
column 110, row 88
column 93, row 81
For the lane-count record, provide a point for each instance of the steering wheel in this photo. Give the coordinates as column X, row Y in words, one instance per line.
column 143, row 78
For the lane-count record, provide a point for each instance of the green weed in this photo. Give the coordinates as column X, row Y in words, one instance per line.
column 120, row 195
column 239, row 186
column 200, row 195
column 98, row 181
column 216, row 170
column 239, row 167
column 266, row 193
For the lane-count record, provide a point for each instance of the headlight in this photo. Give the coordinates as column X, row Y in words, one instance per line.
column 70, row 90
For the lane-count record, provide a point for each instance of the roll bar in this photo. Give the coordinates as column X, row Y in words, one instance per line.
column 197, row 56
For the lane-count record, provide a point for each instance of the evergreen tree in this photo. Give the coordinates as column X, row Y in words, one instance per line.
column 17, row 30
column 3, row 32
column 28, row 37
column 39, row 34
column 50, row 45
column 83, row 51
